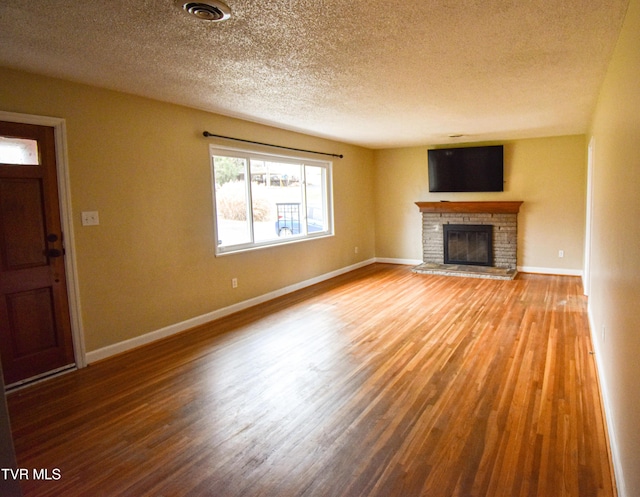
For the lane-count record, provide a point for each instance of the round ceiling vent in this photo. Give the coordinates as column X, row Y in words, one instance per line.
column 210, row 10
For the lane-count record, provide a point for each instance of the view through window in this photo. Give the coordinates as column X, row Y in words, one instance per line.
column 264, row 200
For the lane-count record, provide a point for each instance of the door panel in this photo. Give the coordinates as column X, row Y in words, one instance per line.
column 31, row 312
column 35, row 329
column 23, row 222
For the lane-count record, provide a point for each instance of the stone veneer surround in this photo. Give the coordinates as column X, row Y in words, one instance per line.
column 502, row 215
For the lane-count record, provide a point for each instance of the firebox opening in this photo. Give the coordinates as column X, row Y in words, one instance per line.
column 469, row 244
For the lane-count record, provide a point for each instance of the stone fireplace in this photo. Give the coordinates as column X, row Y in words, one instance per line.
column 476, row 239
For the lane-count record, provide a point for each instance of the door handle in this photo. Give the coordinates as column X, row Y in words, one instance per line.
column 54, row 253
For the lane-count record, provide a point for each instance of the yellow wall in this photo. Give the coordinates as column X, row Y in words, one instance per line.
column 144, row 166
column 614, row 294
column 548, row 174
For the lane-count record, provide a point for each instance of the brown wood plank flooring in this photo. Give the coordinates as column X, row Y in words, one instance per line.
column 380, row 382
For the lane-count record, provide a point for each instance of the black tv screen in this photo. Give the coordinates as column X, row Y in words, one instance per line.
column 469, row 169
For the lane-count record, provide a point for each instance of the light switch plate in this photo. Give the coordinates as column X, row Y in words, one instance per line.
column 90, row 218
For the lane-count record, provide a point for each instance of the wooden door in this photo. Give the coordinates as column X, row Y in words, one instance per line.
column 35, row 329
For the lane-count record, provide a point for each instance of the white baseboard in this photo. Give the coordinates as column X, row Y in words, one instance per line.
column 550, row 270
column 522, row 269
column 117, row 348
column 608, row 414
column 407, row 262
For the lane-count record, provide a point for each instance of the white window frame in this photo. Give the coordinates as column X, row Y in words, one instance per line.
column 249, row 155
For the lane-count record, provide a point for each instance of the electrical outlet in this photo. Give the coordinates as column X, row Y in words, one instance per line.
column 234, row 282
column 355, row 250
column 560, row 253
column 90, row 218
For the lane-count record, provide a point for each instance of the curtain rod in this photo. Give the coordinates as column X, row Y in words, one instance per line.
column 206, row 134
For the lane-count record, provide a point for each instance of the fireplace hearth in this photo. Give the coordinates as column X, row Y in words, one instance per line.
column 476, row 239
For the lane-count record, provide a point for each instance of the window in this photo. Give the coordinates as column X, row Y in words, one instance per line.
column 19, row 151
column 263, row 200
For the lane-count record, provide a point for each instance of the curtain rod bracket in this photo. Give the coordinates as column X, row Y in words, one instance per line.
column 206, row 134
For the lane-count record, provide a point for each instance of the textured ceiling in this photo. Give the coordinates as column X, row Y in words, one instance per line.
column 369, row 72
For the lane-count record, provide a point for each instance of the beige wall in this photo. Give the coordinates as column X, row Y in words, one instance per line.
column 614, row 295
column 144, row 166
column 548, row 174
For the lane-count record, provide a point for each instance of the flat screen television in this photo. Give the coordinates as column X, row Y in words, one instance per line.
column 468, row 169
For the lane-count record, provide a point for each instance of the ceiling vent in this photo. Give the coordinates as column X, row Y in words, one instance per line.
column 211, row 10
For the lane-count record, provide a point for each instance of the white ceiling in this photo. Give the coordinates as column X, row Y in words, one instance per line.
column 369, row 72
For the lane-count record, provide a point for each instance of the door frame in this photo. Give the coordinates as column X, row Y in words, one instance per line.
column 588, row 237
column 66, row 220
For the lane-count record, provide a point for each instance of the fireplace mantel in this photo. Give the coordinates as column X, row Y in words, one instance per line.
column 506, row 207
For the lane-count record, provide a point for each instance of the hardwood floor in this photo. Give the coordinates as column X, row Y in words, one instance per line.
column 380, row 382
